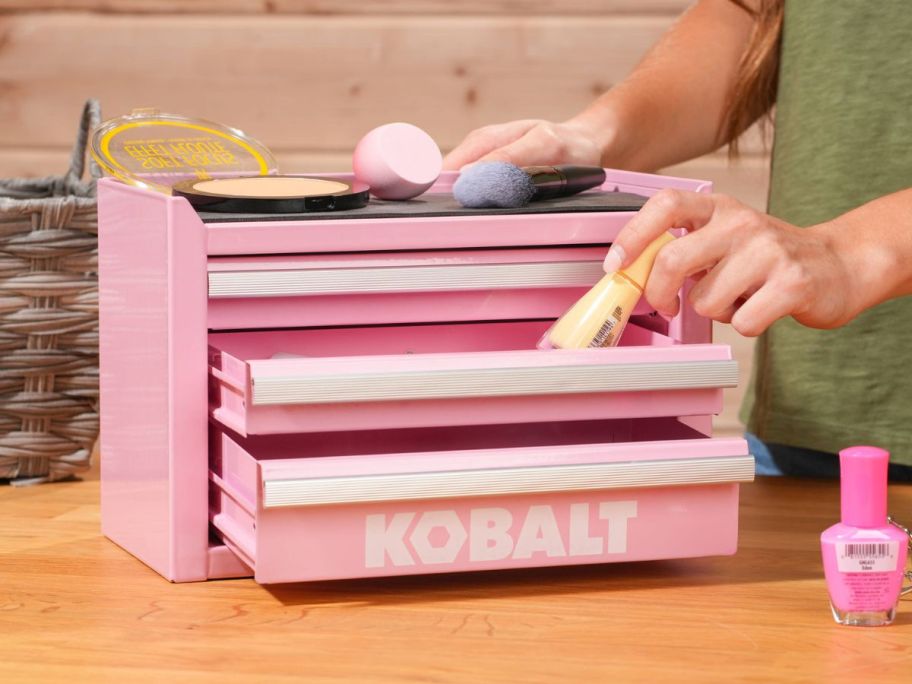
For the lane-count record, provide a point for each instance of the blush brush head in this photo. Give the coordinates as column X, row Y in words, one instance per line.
column 505, row 186
column 493, row 184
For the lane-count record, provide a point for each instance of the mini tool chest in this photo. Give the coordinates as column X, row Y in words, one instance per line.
column 316, row 397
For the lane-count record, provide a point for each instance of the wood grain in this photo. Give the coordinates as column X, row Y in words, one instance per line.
column 75, row 608
column 349, row 7
column 309, row 82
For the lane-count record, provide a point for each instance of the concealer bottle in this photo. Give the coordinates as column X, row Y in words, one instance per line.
column 599, row 317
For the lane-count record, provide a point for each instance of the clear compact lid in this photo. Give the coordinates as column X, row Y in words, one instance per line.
column 155, row 150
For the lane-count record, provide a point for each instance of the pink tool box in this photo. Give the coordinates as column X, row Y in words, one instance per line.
column 344, row 397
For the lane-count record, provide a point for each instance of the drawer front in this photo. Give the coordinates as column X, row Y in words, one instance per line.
column 267, row 277
column 413, row 287
column 295, row 519
column 416, row 378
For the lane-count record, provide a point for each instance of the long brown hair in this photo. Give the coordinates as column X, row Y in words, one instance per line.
column 754, row 91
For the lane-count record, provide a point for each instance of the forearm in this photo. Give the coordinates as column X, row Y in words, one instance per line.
column 669, row 109
column 875, row 243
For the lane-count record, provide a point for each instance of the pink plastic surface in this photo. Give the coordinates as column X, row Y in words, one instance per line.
column 239, row 360
column 154, row 318
column 397, row 160
column 498, row 446
column 392, row 307
column 435, row 536
column 444, row 535
column 225, row 564
column 468, row 303
column 152, row 308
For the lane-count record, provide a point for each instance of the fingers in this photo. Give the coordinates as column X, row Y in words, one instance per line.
column 750, row 268
column 667, row 209
column 762, row 309
column 725, row 289
column 526, row 143
column 721, row 254
column 687, row 256
column 484, row 140
column 541, row 144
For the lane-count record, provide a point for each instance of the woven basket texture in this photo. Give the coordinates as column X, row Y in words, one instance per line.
column 49, row 321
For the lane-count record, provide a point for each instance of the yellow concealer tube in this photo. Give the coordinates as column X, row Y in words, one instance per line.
column 599, row 317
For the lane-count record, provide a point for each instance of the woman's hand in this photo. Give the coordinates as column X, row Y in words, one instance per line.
column 528, row 142
column 751, row 269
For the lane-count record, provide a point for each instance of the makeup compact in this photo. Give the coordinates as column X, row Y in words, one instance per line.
column 273, row 194
column 215, row 167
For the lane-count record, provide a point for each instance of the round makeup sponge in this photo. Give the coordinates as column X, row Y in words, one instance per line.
column 397, row 160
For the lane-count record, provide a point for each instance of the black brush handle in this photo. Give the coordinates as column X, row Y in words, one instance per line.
column 563, row 180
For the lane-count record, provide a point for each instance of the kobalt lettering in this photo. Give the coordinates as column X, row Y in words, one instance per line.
column 492, row 534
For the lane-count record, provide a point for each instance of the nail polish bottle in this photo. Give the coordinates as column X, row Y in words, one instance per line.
column 864, row 556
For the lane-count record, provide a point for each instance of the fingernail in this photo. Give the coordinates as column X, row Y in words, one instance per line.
column 466, row 167
column 613, row 259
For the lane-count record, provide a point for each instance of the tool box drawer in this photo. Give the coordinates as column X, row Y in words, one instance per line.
column 399, row 287
column 292, row 381
column 360, row 504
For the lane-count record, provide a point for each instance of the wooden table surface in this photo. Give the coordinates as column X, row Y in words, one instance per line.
column 76, row 608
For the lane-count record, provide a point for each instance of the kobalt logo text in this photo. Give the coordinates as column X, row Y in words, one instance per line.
column 489, row 536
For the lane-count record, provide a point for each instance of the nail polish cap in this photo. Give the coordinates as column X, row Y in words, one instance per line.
column 641, row 267
column 863, row 484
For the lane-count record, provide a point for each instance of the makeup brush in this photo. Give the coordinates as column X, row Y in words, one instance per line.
column 503, row 185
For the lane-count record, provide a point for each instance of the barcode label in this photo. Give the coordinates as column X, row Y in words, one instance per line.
column 867, row 556
column 605, row 336
column 867, row 550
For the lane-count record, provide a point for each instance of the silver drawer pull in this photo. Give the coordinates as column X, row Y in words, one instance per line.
column 493, row 382
column 302, row 282
column 502, row 481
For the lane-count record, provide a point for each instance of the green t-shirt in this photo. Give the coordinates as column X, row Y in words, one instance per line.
column 843, row 137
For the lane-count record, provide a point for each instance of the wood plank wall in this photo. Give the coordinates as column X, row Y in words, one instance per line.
column 309, row 77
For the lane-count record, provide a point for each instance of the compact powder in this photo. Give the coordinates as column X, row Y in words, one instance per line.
column 271, row 186
column 273, row 194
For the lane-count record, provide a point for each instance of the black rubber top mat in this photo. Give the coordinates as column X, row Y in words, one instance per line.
column 443, row 204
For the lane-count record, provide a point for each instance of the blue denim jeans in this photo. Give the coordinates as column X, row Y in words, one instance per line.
column 780, row 459
column 765, row 465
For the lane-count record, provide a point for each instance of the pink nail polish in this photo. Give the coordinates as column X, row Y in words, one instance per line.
column 864, row 556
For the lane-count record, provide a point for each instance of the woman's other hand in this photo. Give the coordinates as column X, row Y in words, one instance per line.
column 751, row 269
column 526, row 143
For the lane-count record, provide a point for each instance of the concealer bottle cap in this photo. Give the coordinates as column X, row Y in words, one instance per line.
column 639, row 270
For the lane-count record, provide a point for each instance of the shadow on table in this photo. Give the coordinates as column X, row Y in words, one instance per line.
column 746, row 567
column 781, row 522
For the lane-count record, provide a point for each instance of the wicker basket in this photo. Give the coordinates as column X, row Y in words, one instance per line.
column 49, row 321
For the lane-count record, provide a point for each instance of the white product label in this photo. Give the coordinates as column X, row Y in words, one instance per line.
column 867, row 556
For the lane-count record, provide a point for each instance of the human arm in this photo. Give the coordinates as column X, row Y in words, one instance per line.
column 666, row 111
column 753, row 269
